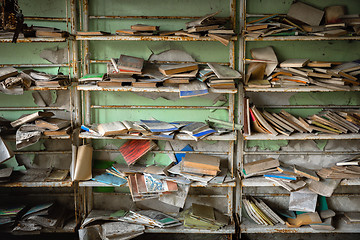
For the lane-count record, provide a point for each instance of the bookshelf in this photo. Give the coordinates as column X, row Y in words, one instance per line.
column 298, row 148
column 50, row 151
column 130, row 103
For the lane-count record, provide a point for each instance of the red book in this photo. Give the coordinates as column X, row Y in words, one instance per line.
column 132, row 150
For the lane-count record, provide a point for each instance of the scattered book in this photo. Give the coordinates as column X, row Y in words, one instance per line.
column 261, row 165
column 132, row 150
column 144, row 28
column 130, row 63
column 178, row 68
column 112, row 128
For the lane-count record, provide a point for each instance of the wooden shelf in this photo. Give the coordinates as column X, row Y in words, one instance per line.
column 263, row 182
column 229, row 229
column 47, row 88
column 141, row 89
column 145, row 38
column 302, row 136
column 340, row 227
column 99, row 184
column 33, row 39
column 67, row 183
column 297, row 89
column 301, row 38
column 184, row 137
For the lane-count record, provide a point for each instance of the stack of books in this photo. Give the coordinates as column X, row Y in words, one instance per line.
column 200, row 164
column 260, row 213
column 332, row 22
column 329, row 121
column 153, row 129
column 139, row 30
column 299, row 72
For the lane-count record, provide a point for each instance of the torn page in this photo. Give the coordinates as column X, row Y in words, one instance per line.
column 303, row 200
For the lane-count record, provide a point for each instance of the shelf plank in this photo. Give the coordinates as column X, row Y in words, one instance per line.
column 99, row 184
column 141, row 89
column 249, row 227
column 146, row 38
column 47, row 88
column 297, row 89
column 263, row 182
column 302, row 136
column 61, row 137
column 301, row 38
column 67, row 183
column 184, row 137
column 33, row 39
column 230, row 229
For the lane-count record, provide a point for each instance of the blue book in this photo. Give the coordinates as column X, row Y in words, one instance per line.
column 110, row 179
column 281, row 176
column 194, row 88
column 179, row 156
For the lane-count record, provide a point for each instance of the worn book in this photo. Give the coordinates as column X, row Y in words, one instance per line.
column 52, row 123
column 223, row 38
column 130, row 63
column 263, row 122
column 194, row 88
column 109, row 84
column 5, row 151
column 159, row 126
column 6, row 72
column 94, row 33
column 30, row 118
column 177, row 68
column 144, row 84
column 261, row 165
column 54, row 34
column 224, row 72
column 132, row 150
column 201, row 161
column 60, row 132
column 112, row 128
column 91, row 78
column 222, row 31
column 295, row 62
column 144, row 28
column 306, row 172
column 305, row 13
column 202, row 28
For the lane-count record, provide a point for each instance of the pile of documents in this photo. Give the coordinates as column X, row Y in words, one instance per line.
column 152, row 129
column 103, row 224
column 30, row 127
column 151, row 218
column 264, row 71
column 33, row 219
column 14, row 82
column 123, row 224
column 303, row 19
column 328, row 121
